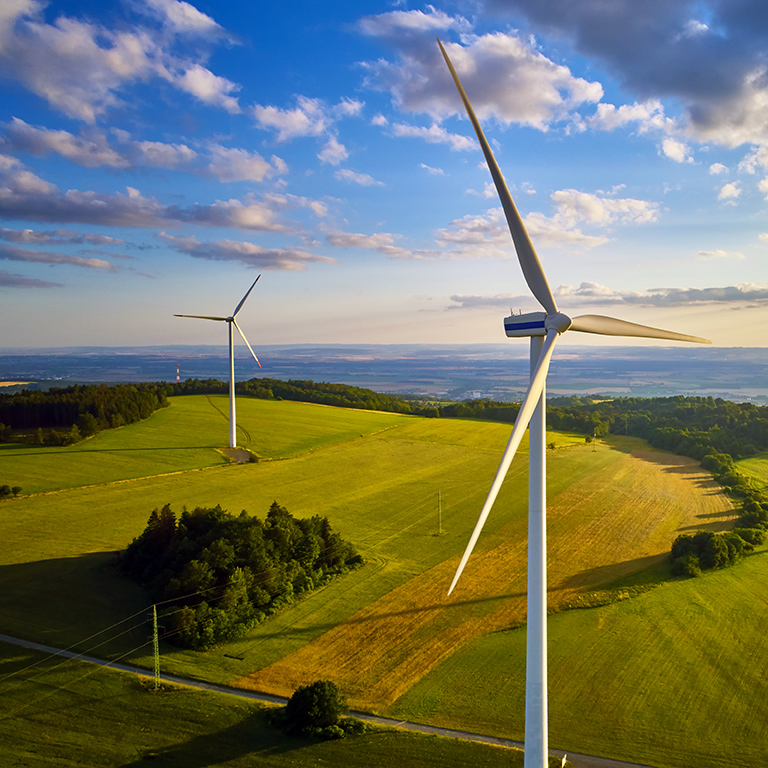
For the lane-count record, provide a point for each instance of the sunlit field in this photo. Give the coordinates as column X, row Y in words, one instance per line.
column 388, row 629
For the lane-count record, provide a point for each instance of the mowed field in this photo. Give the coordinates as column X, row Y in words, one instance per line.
column 614, row 509
column 674, row 677
column 755, row 467
column 57, row 715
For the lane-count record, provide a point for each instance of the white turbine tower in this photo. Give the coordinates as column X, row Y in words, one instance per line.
column 230, row 322
column 543, row 328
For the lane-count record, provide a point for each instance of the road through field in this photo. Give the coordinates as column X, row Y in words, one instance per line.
column 576, row 760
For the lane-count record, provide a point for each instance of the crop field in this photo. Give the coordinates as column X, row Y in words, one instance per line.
column 755, row 467
column 674, row 677
column 388, row 628
column 76, row 714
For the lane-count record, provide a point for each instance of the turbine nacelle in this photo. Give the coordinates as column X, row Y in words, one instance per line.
column 536, row 324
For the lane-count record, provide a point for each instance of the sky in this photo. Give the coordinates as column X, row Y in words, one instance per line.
column 156, row 156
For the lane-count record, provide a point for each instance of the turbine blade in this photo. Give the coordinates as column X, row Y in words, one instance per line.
column 526, row 254
column 242, row 301
column 610, row 326
column 527, row 408
column 234, row 322
column 203, row 317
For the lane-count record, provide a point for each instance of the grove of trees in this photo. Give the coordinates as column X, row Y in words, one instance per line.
column 216, row 575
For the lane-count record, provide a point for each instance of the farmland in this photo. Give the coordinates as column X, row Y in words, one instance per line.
column 386, row 633
column 85, row 715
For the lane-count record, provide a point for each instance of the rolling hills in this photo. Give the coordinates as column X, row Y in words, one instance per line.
column 386, row 633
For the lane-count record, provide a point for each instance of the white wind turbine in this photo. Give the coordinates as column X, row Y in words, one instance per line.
column 543, row 328
column 230, row 322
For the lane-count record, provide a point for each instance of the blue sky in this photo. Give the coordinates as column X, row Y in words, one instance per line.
column 156, row 155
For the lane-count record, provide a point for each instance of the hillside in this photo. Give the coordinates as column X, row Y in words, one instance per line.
column 614, row 509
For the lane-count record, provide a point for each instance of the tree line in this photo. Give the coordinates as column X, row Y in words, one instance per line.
column 65, row 415
column 218, row 575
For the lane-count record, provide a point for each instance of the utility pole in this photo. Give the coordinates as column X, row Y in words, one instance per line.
column 439, row 514
column 156, row 647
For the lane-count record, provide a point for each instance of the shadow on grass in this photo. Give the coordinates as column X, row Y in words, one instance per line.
column 371, row 618
column 63, row 601
column 250, row 737
column 624, row 574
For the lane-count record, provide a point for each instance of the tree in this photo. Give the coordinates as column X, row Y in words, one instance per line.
column 314, row 707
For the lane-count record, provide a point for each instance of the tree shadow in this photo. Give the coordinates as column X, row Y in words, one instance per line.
column 64, row 601
column 249, row 737
column 624, row 573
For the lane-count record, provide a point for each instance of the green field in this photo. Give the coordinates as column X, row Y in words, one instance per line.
column 687, row 657
column 186, row 436
column 78, row 714
column 755, row 467
column 387, row 630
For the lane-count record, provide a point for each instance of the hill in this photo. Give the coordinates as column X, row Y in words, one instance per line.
column 614, row 509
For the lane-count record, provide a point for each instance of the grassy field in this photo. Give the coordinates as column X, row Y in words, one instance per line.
column 674, row 677
column 755, row 467
column 81, row 715
column 186, row 436
column 614, row 509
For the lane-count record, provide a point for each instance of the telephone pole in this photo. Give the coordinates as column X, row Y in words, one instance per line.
column 156, row 647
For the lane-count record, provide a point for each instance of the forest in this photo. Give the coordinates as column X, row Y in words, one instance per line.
column 65, row 415
column 215, row 575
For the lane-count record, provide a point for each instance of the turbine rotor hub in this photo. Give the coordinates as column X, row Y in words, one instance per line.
column 559, row 321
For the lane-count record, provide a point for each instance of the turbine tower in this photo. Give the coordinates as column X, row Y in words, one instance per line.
column 230, row 322
column 543, row 328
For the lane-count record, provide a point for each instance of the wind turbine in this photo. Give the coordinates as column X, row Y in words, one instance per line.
column 543, row 328
column 230, row 322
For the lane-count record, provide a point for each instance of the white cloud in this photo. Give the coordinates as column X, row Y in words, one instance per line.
column 94, row 150
column 251, row 254
column 574, row 206
column 720, row 254
column 84, row 69
column 363, row 179
column 183, row 17
column 676, row 150
column 730, row 192
column 717, row 169
column 12, row 280
column 26, row 197
column 333, row 152
column 435, row 134
column 649, row 115
column 30, row 236
column 211, row 89
column 231, row 164
column 764, row 237
column 594, row 294
column 763, row 187
column 505, row 75
column 14, row 253
column 383, row 242
column 431, row 170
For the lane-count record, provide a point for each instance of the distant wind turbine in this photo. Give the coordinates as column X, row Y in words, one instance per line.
column 543, row 328
column 230, row 322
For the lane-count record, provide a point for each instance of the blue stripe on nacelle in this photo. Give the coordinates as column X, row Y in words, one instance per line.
column 524, row 326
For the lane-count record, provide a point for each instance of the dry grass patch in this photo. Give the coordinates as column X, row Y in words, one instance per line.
column 611, row 512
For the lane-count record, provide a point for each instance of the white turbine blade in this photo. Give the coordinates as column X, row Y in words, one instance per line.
column 203, row 317
column 527, row 408
column 610, row 326
column 234, row 322
column 526, row 254
column 242, row 301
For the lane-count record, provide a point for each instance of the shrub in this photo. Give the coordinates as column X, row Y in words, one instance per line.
column 686, row 565
column 315, row 706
